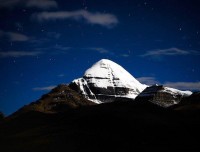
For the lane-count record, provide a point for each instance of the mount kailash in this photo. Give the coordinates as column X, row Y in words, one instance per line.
column 107, row 81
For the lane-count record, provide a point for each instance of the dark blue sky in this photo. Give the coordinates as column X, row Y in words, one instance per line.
column 47, row 42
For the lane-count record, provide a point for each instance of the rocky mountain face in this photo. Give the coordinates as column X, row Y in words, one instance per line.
column 191, row 102
column 60, row 99
column 105, row 81
column 162, row 96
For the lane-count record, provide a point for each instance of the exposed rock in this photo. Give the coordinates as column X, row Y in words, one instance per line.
column 105, row 81
column 189, row 103
column 162, row 96
column 59, row 99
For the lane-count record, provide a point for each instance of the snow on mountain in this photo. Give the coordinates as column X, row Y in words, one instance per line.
column 176, row 91
column 80, row 85
column 162, row 96
column 105, row 81
column 112, row 74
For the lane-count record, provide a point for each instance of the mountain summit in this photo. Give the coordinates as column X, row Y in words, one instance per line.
column 64, row 119
column 105, row 81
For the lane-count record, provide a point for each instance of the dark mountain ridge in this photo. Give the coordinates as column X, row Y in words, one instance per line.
column 118, row 126
column 68, row 118
column 122, row 125
column 59, row 99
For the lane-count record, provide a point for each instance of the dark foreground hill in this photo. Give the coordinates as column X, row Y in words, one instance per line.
column 59, row 99
column 117, row 126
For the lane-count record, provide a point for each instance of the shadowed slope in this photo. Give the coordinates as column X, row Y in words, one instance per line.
column 59, row 99
column 117, row 126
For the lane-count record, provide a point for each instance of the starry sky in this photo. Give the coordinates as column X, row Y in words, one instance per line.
column 44, row 43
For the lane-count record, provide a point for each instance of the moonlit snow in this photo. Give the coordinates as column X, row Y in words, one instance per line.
column 106, row 74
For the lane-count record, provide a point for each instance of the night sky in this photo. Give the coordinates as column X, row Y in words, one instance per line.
column 44, row 43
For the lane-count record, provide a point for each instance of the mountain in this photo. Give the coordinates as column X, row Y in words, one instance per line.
column 59, row 99
column 162, row 96
column 191, row 103
column 68, row 119
column 105, row 81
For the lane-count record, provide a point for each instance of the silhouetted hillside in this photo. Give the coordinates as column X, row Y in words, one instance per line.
column 1, row 116
column 60, row 99
column 117, row 126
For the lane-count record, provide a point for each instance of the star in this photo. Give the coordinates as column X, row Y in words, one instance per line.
column 19, row 26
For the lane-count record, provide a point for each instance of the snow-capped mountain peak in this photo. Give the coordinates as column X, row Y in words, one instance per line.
column 105, row 81
column 114, row 75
